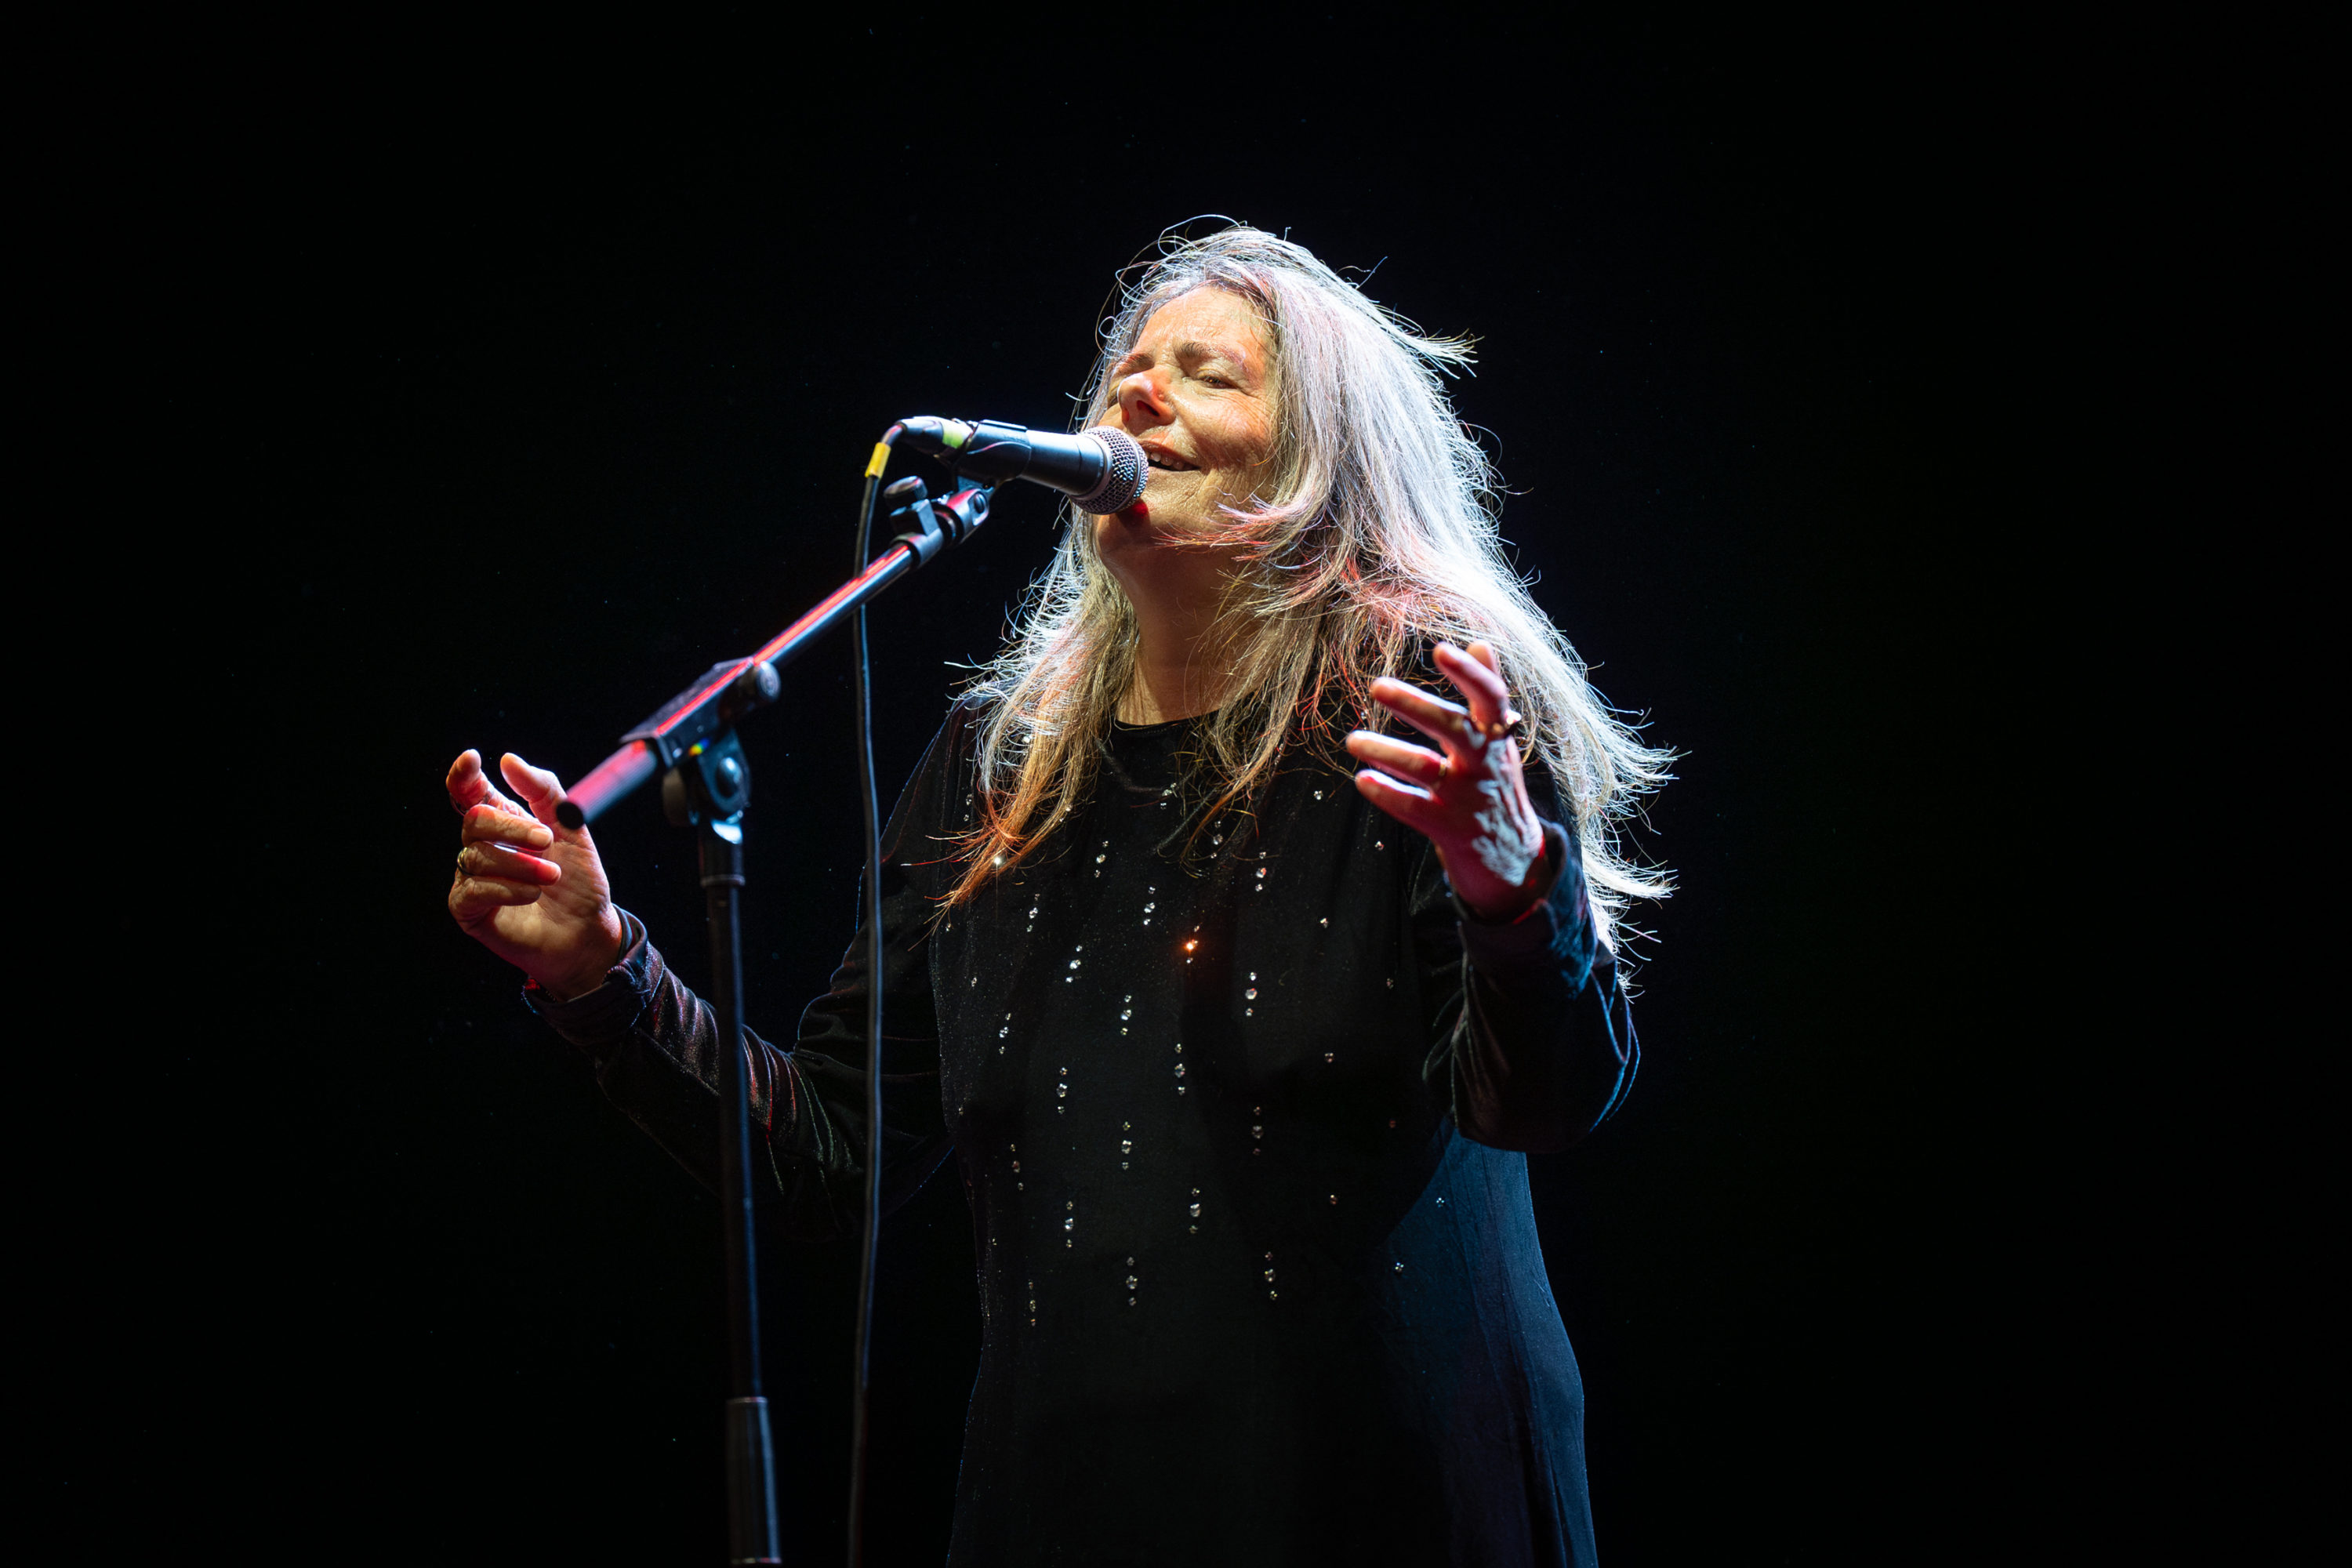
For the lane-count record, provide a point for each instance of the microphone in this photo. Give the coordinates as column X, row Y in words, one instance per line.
column 1103, row 469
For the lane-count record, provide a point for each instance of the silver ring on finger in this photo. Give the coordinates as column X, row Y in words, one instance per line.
column 461, row 862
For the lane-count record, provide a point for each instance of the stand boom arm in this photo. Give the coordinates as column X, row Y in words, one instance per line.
column 734, row 686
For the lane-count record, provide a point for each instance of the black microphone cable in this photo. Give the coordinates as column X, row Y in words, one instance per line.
column 1102, row 469
column 872, row 914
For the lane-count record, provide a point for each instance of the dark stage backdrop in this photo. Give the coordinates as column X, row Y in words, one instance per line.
column 508, row 417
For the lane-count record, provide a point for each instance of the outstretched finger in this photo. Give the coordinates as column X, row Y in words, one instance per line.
column 485, row 824
column 491, row 859
column 1416, row 808
column 1478, row 677
column 1443, row 722
column 500, row 844
column 468, row 787
column 1418, row 763
column 539, row 788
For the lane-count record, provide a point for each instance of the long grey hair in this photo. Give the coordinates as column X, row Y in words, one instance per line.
column 1373, row 536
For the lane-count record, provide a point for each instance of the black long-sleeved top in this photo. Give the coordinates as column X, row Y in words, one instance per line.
column 1242, row 1128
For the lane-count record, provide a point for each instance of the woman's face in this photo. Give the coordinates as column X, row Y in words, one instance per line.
column 1198, row 393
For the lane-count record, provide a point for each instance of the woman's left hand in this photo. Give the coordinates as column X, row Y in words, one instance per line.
column 1472, row 800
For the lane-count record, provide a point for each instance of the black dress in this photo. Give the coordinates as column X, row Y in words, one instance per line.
column 1241, row 1133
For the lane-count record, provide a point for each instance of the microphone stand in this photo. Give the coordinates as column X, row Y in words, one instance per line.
column 706, row 785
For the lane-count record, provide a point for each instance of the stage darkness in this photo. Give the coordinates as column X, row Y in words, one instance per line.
column 507, row 418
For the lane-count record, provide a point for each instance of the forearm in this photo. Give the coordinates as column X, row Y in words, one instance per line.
column 656, row 1049
column 1542, row 1046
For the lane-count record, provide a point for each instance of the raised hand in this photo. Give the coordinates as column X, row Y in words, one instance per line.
column 1471, row 798
column 527, row 888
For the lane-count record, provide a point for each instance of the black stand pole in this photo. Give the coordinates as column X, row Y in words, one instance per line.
column 709, row 791
column 750, row 1474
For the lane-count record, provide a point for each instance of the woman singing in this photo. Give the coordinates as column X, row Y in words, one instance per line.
column 1235, row 964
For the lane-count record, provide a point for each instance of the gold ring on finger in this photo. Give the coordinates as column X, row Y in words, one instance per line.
column 1510, row 724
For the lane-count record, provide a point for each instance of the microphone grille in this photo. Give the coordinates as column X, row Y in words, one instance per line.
column 1124, row 472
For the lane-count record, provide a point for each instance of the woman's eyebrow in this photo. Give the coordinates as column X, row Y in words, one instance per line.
column 1192, row 351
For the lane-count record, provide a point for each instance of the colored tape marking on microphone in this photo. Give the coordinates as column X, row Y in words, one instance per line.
column 879, row 461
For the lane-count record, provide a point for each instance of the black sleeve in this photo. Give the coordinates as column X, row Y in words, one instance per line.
column 655, row 1044
column 1532, row 1042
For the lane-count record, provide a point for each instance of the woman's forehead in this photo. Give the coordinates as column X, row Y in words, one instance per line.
column 1206, row 317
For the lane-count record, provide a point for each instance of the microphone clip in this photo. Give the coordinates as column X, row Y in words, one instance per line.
column 928, row 526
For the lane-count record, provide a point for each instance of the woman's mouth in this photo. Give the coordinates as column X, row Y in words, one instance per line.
column 1166, row 462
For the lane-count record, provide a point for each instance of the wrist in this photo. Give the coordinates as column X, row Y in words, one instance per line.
column 587, row 967
column 1501, row 905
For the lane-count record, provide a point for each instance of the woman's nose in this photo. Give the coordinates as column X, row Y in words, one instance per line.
column 1143, row 402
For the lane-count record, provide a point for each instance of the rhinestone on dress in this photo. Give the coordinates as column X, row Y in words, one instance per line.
column 1251, row 992
column 1196, row 1211
column 1330, row 1055
column 1127, row 1145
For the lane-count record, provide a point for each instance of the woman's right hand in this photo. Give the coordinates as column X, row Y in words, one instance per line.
column 528, row 888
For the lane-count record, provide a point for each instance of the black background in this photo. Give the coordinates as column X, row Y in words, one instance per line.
column 514, row 401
